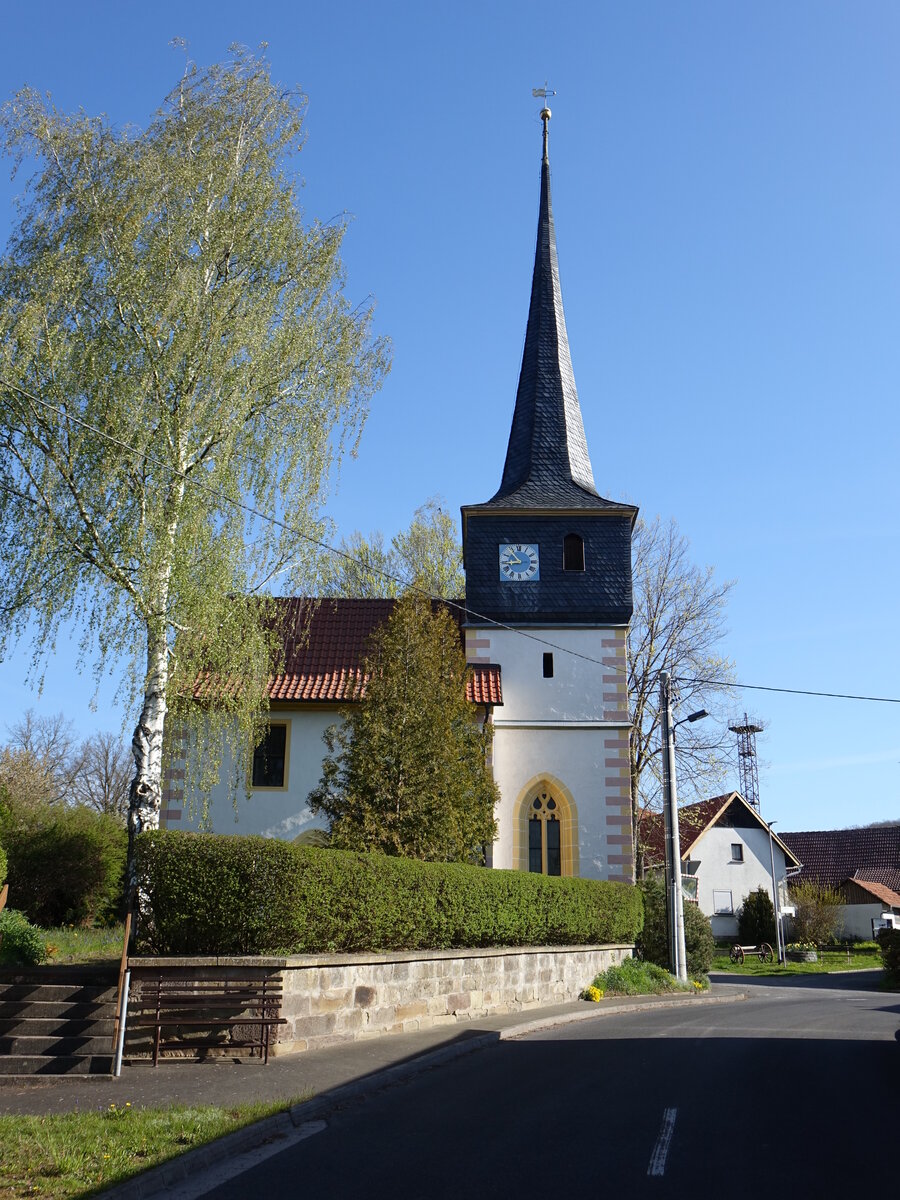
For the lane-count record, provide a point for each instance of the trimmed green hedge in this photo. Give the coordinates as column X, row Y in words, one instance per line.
column 889, row 948
column 210, row 894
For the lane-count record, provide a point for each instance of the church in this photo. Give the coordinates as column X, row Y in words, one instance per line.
column 548, row 600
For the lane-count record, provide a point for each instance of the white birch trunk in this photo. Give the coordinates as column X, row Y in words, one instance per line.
column 145, row 799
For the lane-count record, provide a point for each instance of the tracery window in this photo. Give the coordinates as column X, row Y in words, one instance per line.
column 544, row 836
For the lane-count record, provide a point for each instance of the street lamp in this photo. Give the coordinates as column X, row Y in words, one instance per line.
column 779, row 936
column 677, row 951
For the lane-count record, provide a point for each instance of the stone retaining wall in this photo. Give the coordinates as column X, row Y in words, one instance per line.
column 331, row 998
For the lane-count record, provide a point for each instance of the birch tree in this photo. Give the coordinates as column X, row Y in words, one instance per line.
column 677, row 626
column 175, row 343
column 428, row 555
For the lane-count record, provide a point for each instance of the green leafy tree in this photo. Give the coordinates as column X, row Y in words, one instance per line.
column 756, row 920
column 818, row 916
column 174, row 343
column 428, row 554
column 653, row 941
column 406, row 774
column 678, row 623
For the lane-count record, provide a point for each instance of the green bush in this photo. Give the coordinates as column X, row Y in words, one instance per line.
column 208, row 894
column 2, row 866
column 653, row 942
column 634, row 978
column 21, row 945
column 756, row 919
column 889, row 949
column 66, row 865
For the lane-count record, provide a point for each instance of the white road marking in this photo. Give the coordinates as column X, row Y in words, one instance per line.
column 661, row 1149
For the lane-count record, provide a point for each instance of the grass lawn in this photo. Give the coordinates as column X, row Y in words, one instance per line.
column 829, row 960
column 74, row 944
column 79, row 1154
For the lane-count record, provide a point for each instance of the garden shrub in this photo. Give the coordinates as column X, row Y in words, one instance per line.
column 215, row 894
column 66, row 865
column 817, row 918
column 653, row 942
column 889, row 949
column 756, row 919
column 21, row 945
column 634, row 978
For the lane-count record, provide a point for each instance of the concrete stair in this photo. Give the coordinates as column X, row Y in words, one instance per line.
column 57, row 1020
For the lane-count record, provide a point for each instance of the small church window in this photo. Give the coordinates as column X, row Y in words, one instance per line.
column 573, row 552
column 548, row 666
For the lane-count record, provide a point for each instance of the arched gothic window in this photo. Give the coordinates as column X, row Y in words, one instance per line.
column 573, row 552
column 544, row 836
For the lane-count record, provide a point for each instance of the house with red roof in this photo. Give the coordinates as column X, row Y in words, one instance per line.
column 727, row 852
column 548, row 601
column 862, row 865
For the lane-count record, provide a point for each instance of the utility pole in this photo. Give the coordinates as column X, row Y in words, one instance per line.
column 677, row 952
column 674, row 892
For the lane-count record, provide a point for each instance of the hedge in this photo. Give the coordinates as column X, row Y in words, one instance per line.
column 218, row 894
column 889, row 948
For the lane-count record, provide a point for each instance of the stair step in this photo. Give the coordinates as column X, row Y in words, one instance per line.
column 101, row 974
column 31, row 1047
column 84, row 993
column 72, row 1064
column 56, row 1026
column 17, row 1010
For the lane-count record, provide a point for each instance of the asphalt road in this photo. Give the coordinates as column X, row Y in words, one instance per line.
column 798, row 1090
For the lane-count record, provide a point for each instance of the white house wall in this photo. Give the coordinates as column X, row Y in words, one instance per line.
column 272, row 812
column 719, row 873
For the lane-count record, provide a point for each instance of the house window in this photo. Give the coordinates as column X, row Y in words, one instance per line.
column 722, row 902
column 270, row 758
column 544, row 836
column 573, row 552
column 689, row 888
column 737, row 852
column 548, row 666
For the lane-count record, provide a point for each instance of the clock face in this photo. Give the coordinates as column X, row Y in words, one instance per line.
column 519, row 561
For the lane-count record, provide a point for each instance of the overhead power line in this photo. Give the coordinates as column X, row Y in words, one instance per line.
column 326, row 546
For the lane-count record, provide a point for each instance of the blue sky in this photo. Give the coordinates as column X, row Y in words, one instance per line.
column 726, row 187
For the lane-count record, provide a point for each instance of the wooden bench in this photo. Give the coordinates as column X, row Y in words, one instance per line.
column 249, row 1008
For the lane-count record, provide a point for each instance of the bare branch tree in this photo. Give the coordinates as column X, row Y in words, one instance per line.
column 104, row 773
column 678, row 624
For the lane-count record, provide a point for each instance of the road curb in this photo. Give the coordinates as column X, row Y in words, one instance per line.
column 158, row 1180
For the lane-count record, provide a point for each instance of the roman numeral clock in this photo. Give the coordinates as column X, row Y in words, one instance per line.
column 519, row 561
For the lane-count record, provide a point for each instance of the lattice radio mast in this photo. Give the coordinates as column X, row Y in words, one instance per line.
column 746, row 731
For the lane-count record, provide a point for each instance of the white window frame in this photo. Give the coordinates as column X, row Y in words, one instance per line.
column 719, row 903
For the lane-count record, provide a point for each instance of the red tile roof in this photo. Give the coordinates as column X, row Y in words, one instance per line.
column 693, row 821
column 326, row 642
column 831, row 856
column 885, row 894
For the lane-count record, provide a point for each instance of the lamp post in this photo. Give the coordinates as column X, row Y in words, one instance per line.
column 677, row 951
column 779, row 937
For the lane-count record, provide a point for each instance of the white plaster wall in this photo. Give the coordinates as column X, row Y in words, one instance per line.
column 573, row 756
column 856, row 919
column 273, row 813
column 717, row 871
column 575, row 693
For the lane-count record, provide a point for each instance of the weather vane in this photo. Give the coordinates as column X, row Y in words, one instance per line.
column 543, row 93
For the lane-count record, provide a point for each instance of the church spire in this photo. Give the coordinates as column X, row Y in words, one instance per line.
column 547, row 459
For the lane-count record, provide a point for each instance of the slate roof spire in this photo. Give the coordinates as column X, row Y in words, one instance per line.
column 547, row 460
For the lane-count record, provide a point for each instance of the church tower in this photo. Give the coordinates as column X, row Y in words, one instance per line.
column 548, row 597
